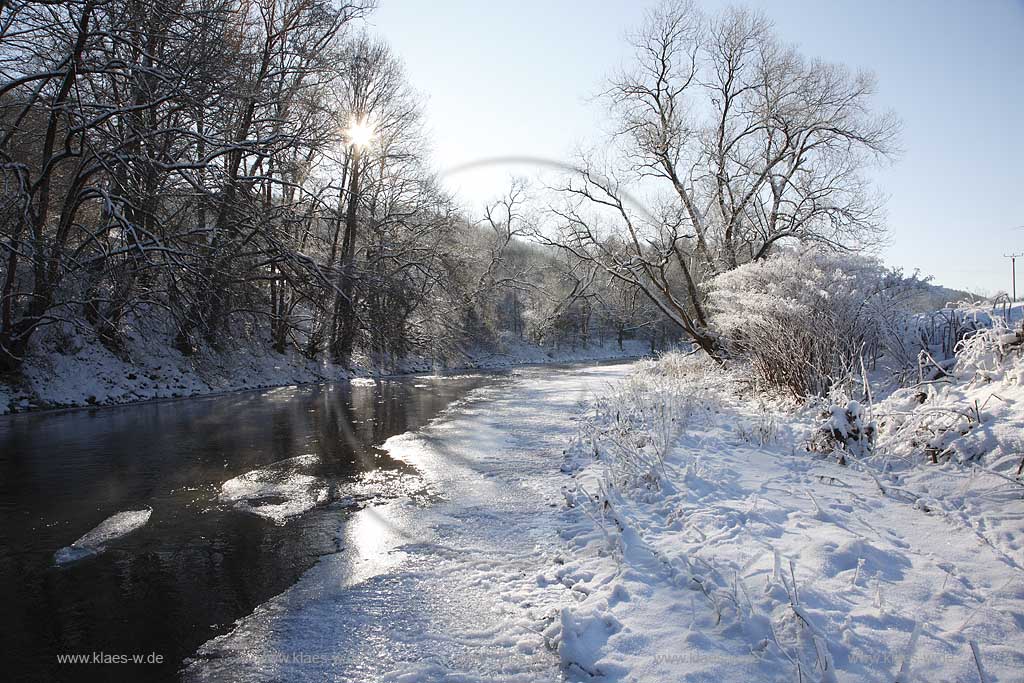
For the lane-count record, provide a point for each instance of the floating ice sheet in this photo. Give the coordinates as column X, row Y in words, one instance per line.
column 277, row 492
column 94, row 542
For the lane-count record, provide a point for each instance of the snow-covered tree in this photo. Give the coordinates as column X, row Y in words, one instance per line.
column 804, row 319
column 727, row 144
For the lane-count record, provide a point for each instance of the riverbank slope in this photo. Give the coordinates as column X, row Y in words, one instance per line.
column 73, row 372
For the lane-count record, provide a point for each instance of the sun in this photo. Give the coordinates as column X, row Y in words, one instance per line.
column 359, row 133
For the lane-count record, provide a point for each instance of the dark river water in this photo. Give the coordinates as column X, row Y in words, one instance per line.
column 200, row 562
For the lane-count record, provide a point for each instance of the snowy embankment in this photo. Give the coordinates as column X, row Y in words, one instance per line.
column 708, row 544
column 450, row 585
column 686, row 534
column 79, row 372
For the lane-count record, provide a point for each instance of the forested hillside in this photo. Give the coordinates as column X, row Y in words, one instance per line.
column 205, row 176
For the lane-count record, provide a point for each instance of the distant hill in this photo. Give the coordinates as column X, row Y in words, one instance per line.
column 932, row 297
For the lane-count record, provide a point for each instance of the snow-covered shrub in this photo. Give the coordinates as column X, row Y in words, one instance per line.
column 845, row 430
column 936, row 335
column 980, row 354
column 969, row 412
column 805, row 319
column 939, row 425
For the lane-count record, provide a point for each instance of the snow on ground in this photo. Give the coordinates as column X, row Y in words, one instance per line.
column 685, row 534
column 95, row 541
column 970, row 421
column 742, row 557
column 67, row 370
column 448, row 588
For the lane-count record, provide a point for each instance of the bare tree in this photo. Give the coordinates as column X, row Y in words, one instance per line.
column 375, row 96
column 185, row 168
column 744, row 143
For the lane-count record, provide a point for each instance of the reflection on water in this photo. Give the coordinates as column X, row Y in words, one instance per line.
column 199, row 563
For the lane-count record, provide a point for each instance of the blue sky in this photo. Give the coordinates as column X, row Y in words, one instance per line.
column 510, row 79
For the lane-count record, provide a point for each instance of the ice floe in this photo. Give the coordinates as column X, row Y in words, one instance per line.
column 278, row 491
column 95, row 541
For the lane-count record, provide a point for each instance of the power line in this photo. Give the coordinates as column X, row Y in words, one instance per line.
column 1013, row 270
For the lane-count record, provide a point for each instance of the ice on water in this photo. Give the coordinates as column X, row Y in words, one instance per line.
column 94, row 542
column 277, row 492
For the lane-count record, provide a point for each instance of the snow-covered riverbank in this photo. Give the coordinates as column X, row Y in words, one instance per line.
column 454, row 587
column 707, row 544
column 87, row 374
column 619, row 524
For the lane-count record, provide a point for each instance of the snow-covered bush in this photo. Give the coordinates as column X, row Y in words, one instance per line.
column 980, row 354
column 845, row 430
column 936, row 336
column 805, row 319
column 969, row 412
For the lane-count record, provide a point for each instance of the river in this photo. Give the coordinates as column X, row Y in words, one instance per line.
column 204, row 559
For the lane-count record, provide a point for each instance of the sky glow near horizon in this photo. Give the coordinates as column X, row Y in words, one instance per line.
column 519, row 79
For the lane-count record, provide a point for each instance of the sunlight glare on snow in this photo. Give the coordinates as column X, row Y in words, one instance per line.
column 374, row 534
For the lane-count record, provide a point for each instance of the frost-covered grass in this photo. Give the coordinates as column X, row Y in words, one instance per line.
column 707, row 543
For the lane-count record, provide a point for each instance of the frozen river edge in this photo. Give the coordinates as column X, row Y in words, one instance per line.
column 451, row 586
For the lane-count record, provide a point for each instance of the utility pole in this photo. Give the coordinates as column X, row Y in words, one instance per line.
column 1013, row 272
